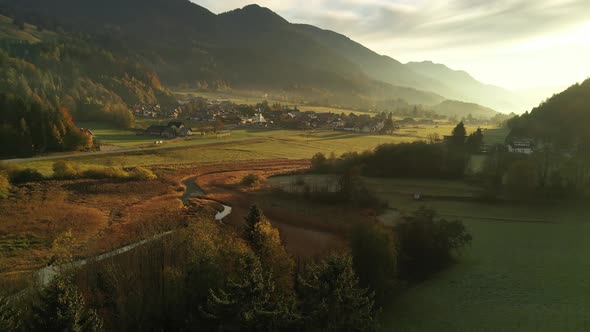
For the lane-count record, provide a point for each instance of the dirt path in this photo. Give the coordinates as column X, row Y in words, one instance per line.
column 216, row 183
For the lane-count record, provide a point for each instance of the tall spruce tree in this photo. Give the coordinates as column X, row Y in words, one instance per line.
column 255, row 216
column 248, row 304
column 332, row 299
column 61, row 308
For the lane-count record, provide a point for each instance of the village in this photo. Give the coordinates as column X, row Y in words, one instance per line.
column 217, row 115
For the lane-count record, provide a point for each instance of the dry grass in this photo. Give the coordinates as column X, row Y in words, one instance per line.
column 101, row 214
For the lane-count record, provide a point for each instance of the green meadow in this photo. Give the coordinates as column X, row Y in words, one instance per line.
column 242, row 144
column 526, row 270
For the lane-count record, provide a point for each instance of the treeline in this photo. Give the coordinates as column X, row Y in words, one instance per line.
column 92, row 83
column 560, row 163
column 31, row 125
column 211, row 278
column 419, row 159
column 560, row 120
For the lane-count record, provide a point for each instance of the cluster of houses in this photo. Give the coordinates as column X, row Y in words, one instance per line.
column 172, row 130
column 277, row 116
column 155, row 111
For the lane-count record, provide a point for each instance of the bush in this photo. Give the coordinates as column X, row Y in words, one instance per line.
column 319, row 163
column 108, row 172
column 17, row 176
column 374, row 256
column 65, row 170
column 426, row 245
column 250, row 180
column 4, row 186
column 142, row 174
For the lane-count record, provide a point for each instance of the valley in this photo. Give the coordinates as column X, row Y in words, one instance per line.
column 186, row 165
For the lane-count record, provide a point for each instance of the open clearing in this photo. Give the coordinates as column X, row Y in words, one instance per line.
column 248, row 145
column 527, row 269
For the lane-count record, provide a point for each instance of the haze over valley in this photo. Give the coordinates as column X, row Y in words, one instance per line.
column 380, row 165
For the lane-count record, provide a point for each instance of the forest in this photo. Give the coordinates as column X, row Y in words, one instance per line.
column 47, row 84
column 207, row 277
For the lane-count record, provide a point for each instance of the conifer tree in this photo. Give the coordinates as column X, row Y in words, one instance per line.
column 62, row 308
column 332, row 299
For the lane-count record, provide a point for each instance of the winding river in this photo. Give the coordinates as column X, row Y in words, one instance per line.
column 46, row 274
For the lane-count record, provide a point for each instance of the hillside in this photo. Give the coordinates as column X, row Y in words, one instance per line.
column 243, row 49
column 46, row 78
column 29, row 33
column 562, row 119
column 466, row 88
column 453, row 108
column 427, row 76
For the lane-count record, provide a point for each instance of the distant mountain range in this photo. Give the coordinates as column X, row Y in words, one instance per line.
column 254, row 48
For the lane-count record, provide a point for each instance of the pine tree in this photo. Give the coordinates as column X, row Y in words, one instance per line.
column 255, row 216
column 459, row 134
column 475, row 140
column 332, row 299
column 62, row 308
column 248, row 304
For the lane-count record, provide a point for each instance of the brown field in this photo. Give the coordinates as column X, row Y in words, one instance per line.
column 303, row 235
column 103, row 215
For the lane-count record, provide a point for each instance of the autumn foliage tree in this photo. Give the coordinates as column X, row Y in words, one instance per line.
column 265, row 241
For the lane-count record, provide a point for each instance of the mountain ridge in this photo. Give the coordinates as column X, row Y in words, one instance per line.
column 242, row 48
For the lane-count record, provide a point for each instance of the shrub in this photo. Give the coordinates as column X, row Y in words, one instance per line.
column 142, row 174
column 107, row 172
column 374, row 255
column 319, row 163
column 426, row 245
column 250, row 180
column 299, row 181
column 4, row 186
column 24, row 175
column 65, row 170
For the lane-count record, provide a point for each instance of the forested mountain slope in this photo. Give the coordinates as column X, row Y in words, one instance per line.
column 46, row 81
column 561, row 120
column 250, row 48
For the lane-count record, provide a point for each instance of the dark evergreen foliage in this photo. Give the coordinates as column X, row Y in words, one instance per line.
column 332, row 299
column 426, row 245
column 62, row 308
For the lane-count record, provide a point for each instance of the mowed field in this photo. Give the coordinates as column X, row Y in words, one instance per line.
column 246, row 145
column 526, row 270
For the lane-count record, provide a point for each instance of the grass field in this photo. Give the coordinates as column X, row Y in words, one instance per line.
column 525, row 271
column 495, row 135
column 243, row 145
column 527, row 268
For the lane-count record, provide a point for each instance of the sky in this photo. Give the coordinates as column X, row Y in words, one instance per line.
column 516, row 44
